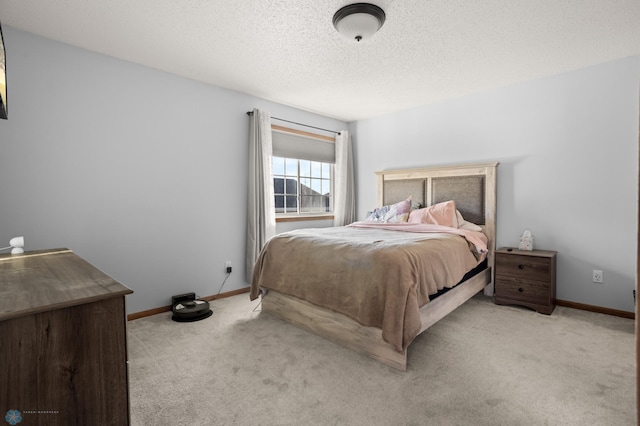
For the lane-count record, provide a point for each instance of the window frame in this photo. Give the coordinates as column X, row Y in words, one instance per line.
column 305, row 216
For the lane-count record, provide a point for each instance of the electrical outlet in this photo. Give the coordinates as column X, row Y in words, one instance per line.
column 597, row 276
column 227, row 265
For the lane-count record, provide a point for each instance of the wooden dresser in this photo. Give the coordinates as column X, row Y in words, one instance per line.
column 526, row 278
column 63, row 352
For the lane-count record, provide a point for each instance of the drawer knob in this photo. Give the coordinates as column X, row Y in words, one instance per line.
column 521, row 289
column 521, row 266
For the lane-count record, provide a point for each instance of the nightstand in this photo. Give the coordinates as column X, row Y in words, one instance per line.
column 526, row 278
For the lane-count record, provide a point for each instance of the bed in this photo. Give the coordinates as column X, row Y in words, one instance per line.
column 383, row 285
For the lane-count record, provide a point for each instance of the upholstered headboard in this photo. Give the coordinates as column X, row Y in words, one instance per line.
column 471, row 186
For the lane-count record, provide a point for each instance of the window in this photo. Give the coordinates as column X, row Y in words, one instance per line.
column 302, row 186
column 302, row 173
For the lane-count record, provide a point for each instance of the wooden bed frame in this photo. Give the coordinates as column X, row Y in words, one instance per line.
column 473, row 188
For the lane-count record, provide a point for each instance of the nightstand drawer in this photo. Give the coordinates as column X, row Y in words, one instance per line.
column 522, row 290
column 523, row 267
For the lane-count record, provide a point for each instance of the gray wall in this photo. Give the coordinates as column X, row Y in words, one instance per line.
column 143, row 173
column 140, row 172
column 568, row 152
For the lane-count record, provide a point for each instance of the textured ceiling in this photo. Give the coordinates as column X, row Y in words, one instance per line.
column 288, row 51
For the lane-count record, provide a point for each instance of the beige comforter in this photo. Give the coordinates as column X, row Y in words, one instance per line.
column 378, row 277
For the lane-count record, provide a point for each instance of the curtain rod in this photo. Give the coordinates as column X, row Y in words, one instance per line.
column 299, row 124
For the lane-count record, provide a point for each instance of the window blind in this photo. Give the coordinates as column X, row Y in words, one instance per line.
column 290, row 145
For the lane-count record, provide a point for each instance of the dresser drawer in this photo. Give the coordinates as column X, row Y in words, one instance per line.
column 536, row 292
column 523, row 267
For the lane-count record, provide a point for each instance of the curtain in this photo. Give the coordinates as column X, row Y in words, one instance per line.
column 261, row 215
column 344, row 211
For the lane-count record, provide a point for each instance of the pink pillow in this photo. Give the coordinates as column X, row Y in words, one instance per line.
column 438, row 214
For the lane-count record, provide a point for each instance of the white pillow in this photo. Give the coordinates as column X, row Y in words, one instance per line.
column 463, row 224
column 394, row 213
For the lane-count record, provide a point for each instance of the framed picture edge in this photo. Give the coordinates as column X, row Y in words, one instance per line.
column 4, row 108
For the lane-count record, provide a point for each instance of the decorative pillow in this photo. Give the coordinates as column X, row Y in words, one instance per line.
column 438, row 214
column 463, row 224
column 393, row 213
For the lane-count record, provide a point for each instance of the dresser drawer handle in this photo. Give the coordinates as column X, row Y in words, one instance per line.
column 521, row 266
column 521, row 290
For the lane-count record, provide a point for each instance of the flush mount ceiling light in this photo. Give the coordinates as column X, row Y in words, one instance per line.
column 359, row 21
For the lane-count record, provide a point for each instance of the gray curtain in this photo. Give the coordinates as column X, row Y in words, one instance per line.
column 344, row 210
column 261, row 214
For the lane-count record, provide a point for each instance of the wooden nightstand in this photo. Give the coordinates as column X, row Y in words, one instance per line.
column 526, row 278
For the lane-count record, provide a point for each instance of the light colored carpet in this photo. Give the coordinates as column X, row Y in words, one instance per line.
column 481, row 365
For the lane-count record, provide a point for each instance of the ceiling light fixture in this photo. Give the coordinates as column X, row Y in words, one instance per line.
column 359, row 21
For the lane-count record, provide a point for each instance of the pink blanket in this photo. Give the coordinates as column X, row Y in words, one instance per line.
column 478, row 239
